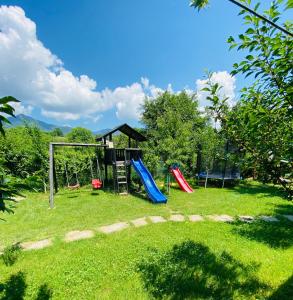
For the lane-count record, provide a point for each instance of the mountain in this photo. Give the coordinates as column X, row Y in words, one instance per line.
column 21, row 119
column 101, row 132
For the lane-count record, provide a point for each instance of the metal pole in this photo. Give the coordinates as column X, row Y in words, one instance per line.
column 206, row 182
column 51, row 175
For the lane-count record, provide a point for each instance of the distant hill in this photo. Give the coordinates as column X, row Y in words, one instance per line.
column 21, row 119
column 102, row 131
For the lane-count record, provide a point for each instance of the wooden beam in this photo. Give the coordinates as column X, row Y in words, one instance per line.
column 77, row 145
column 51, row 175
column 55, row 176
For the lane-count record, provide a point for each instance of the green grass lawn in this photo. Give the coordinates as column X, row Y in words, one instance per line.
column 203, row 260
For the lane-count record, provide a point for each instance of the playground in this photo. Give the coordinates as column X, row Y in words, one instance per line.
column 192, row 197
column 103, row 244
column 121, row 161
column 118, row 233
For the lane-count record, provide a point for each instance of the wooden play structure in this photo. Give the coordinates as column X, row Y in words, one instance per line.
column 117, row 159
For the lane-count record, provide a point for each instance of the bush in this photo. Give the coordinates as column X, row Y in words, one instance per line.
column 10, row 254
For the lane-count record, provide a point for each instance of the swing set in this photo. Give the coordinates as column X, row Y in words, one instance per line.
column 96, row 181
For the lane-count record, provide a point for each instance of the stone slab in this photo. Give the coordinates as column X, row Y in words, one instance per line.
column 78, row 235
column 246, row 219
column 221, row 218
column 177, row 218
column 157, row 219
column 139, row 222
column 36, row 245
column 113, row 227
column 289, row 217
column 269, row 219
column 195, row 218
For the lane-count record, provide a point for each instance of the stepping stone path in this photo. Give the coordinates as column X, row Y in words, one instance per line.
column 246, row 219
column 195, row 218
column 113, row 228
column 78, row 235
column 36, row 245
column 177, row 218
column 19, row 198
column 289, row 217
column 269, row 219
column 221, row 218
column 139, row 222
column 157, row 219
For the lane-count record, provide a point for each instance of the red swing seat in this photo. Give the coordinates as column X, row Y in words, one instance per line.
column 96, row 184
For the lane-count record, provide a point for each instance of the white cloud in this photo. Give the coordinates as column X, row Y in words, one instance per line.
column 33, row 74
column 21, row 109
column 225, row 80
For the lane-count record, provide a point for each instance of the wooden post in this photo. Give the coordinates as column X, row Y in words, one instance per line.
column 51, row 175
column 55, row 176
column 105, row 163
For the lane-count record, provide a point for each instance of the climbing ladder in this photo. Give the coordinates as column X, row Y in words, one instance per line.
column 120, row 176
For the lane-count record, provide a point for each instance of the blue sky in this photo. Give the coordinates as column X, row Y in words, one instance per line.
column 115, row 44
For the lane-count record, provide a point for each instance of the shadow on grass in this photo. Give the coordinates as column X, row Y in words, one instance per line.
column 284, row 209
column 191, row 270
column 261, row 190
column 284, row 292
column 44, row 292
column 15, row 286
column 274, row 234
column 140, row 195
column 95, row 193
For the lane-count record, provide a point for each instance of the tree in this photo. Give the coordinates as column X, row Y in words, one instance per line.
column 203, row 3
column 57, row 132
column 8, row 188
column 80, row 135
column 6, row 109
column 261, row 124
column 171, row 122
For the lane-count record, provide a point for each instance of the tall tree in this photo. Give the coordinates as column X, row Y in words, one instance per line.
column 8, row 188
column 171, row 121
column 244, row 4
column 262, row 121
column 80, row 135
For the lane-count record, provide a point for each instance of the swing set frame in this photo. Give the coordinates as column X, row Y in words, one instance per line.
column 52, row 171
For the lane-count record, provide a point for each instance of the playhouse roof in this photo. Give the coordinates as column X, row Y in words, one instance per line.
column 127, row 130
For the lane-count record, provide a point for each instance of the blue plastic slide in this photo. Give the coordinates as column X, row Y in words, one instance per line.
column 149, row 184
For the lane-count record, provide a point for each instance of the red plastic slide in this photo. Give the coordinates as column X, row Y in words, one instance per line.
column 181, row 180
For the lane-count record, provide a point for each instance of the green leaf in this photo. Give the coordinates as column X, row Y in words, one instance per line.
column 250, row 31
column 289, row 4
column 230, row 40
column 199, row 4
column 250, row 57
